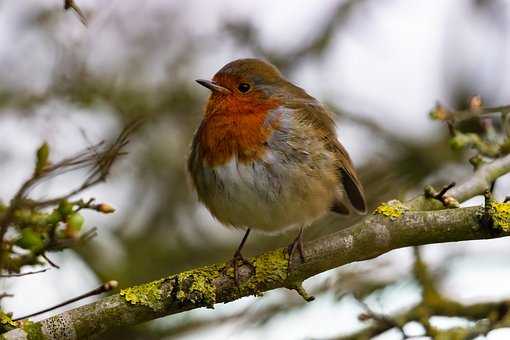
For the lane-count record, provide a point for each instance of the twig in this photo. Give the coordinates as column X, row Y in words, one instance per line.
column 50, row 262
column 298, row 287
column 447, row 201
column 385, row 320
column 100, row 207
column 441, row 113
column 443, row 191
column 25, row 274
column 486, row 219
column 70, row 4
column 106, row 287
column 99, row 158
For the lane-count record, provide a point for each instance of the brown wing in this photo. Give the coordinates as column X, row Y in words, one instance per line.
column 313, row 112
column 352, row 184
column 339, row 207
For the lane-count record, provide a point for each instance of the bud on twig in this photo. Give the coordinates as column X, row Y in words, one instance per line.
column 105, row 208
column 42, row 155
column 475, row 103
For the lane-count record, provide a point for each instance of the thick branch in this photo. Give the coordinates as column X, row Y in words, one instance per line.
column 375, row 235
column 370, row 238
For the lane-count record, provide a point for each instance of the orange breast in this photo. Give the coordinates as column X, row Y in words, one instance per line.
column 233, row 127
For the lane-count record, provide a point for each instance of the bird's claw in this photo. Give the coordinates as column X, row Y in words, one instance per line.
column 235, row 263
column 297, row 244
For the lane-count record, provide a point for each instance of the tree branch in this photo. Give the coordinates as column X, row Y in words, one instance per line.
column 390, row 228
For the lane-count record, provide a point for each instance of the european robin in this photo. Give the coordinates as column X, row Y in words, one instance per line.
column 266, row 155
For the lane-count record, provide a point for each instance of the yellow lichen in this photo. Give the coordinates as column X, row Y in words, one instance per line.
column 148, row 294
column 392, row 209
column 197, row 286
column 500, row 213
column 271, row 266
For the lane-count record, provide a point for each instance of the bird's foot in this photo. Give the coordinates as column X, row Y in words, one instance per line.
column 297, row 244
column 236, row 263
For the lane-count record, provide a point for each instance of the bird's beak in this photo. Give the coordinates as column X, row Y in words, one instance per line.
column 213, row 86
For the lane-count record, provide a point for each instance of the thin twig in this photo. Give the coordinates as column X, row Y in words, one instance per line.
column 70, row 4
column 50, row 262
column 385, row 320
column 25, row 274
column 101, row 289
column 443, row 191
column 99, row 158
column 442, row 113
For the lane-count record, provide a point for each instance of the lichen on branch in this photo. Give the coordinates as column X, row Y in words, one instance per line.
column 392, row 209
column 500, row 214
column 201, row 287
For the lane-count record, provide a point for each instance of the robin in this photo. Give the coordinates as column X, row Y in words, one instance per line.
column 266, row 155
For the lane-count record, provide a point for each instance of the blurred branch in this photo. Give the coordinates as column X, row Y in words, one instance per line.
column 477, row 127
column 384, row 321
column 478, row 311
column 369, row 124
column 245, row 34
column 392, row 226
column 475, row 110
column 487, row 316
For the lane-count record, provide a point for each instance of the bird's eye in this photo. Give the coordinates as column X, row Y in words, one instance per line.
column 244, row 87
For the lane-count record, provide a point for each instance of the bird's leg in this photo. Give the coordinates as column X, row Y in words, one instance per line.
column 238, row 257
column 297, row 244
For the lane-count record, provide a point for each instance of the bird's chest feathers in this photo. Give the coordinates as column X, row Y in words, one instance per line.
column 234, row 129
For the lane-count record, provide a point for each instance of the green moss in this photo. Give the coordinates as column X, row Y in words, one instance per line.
column 269, row 267
column 33, row 330
column 197, row 286
column 392, row 209
column 500, row 213
column 149, row 294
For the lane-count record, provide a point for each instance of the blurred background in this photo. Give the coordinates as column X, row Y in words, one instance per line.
column 380, row 65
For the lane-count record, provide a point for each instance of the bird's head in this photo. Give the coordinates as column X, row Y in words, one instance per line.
column 245, row 86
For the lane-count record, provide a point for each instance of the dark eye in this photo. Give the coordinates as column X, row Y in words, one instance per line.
column 244, row 87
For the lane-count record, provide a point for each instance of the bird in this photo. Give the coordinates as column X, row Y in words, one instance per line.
column 266, row 156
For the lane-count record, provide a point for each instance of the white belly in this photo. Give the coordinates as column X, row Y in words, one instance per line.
column 266, row 195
